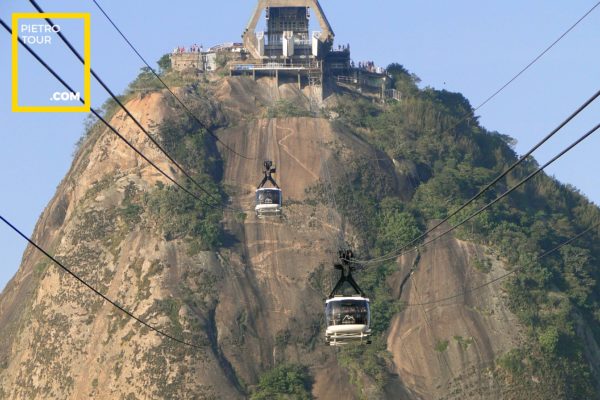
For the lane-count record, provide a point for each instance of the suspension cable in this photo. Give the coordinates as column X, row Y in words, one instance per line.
column 126, row 110
column 186, row 108
column 487, row 100
column 547, row 49
column 471, row 113
column 492, row 183
column 484, row 208
column 333, row 205
column 108, row 125
column 96, row 291
column 501, row 277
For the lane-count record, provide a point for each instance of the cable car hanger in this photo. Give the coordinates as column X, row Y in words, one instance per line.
column 268, row 199
column 269, row 169
column 346, row 267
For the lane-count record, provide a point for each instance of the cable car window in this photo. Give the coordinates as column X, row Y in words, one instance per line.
column 344, row 312
column 268, row 197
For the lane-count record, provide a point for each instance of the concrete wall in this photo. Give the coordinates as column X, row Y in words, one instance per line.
column 183, row 61
column 202, row 61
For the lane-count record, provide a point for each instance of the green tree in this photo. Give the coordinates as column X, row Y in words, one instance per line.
column 287, row 381
column 549, row 339
column 396, row 228
column 577, row 275
column 164, row 64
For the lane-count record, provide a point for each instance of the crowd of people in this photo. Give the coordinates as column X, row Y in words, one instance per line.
column 342, row 47
column 370, row 66
column 193, row 49
column 364, row 65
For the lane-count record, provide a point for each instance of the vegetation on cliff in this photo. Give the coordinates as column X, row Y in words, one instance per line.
column 454, row 156
column 287, row 381
column 178, row 214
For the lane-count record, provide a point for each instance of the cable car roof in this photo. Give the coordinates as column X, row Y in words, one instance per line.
column 344, row 298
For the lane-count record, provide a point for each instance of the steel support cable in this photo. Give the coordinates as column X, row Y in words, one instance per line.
column 340, row 239
column 501, row 277
column 493, row 95
column 471, row 113
column 329, row 192
column 135, row 120
column 99, row 116
column 186, row 108
column 502, row 196
column 96, row 291
column 333, row 203
column 547, row 49
column 492, row 183
column 339, row 236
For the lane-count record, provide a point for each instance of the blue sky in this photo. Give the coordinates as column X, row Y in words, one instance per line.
column 467, row 46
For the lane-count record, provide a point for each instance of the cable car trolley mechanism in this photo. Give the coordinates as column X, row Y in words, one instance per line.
column 268, row 199
column 348, row 317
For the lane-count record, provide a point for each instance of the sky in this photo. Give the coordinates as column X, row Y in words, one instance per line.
column 467, row 46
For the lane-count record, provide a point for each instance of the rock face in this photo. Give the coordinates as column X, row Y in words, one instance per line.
column 249, row 306
column 446, row 349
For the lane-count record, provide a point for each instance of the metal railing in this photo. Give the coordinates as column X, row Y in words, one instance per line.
column 272, row 65
column 346, row 79
column 393, row 94
column 302, row 42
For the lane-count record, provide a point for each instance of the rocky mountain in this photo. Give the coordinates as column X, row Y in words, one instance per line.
column 248, row 292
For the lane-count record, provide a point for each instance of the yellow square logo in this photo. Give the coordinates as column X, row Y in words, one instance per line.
column 85, row 107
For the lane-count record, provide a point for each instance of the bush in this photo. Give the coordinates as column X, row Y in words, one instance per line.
column 164, row 64
column 483, row 265
column 512, row 362
column 285, row 109
column 288, row 381
column 549, row 339
column 441, row 346
column 179, row 215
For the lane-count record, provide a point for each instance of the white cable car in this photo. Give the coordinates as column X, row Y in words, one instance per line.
column 348, row 318
column 268, row 200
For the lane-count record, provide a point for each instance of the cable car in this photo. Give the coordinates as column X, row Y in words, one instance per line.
column 348, row 318
column 268, row 199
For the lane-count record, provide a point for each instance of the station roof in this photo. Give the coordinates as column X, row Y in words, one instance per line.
column 326, row 31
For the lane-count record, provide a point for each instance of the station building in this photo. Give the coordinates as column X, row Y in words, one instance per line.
column 288, row 51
